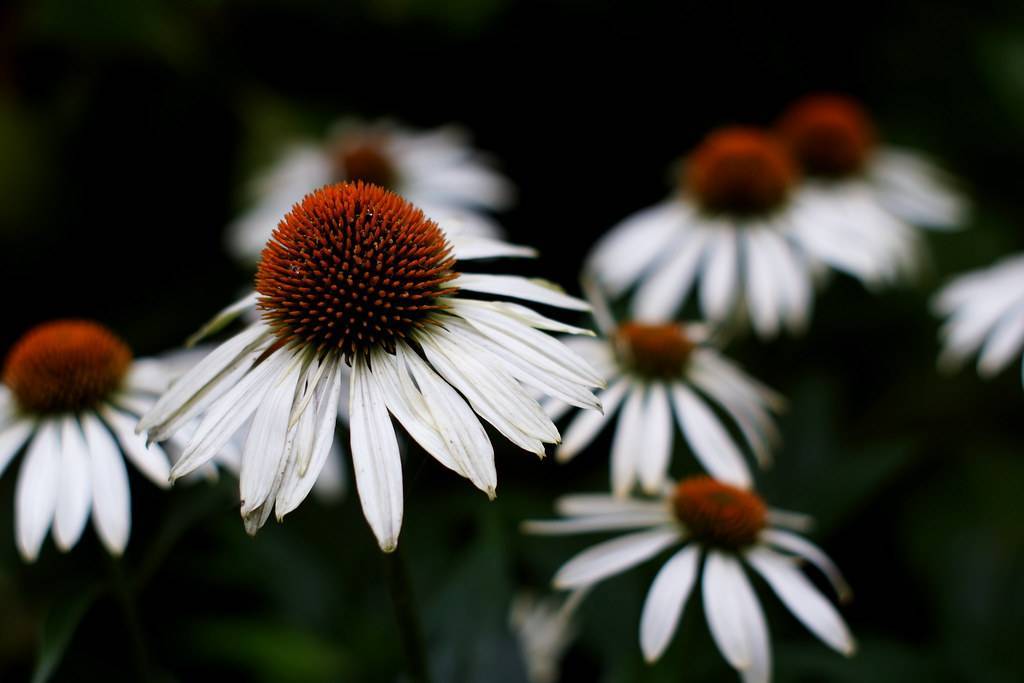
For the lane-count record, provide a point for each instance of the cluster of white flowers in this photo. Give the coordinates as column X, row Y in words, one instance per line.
column 368, row 309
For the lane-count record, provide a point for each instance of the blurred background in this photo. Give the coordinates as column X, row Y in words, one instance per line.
column 127, row 131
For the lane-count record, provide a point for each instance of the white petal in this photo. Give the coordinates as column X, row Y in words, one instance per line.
column 516, row 287
column 526, row 315
column 657, row 447
column 763, row 292
column 455, row 423
column 661, row 294
column 230, row 411
column 735, row 617
column 802, row 598
column 35, row 494
column 632, row 246
column 492, row 392
column 628, row 442
column 150, row 459
column 666, row 600
column 614, row 556
column 583, row 504
column 264, row 454
column 223, row 318
column 75, row 495
column 588, row 423
column 597, row 523
column 325, row 471
column 375, row 457
column 204, row 383
column 332, row 483
column 469, row 247
column 720, row 279
column 1003, row 343
column 12, row 438
column 111, row 498
column 708, row 439
column 795, row 544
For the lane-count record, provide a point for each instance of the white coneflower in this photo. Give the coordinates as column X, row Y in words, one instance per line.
column 356, row 275
column 662, row 375
column 545, row 628
column 861, row 202
column 986, row 315
column 72, row 391
column 437, row 170
column 725, row 526
column 728, row 233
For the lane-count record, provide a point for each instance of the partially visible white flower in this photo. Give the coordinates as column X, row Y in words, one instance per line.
column 660, row 376
column 727, row 239
column 437, row 170
column 725, row 527
column 545, row 629
column 72, row 392
column 985, row 315
column 861, row 203
column 355, row 275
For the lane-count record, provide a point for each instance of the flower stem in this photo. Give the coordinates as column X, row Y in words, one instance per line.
column 406, row 616
column 126, row 599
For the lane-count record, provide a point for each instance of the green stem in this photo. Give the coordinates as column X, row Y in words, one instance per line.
column 409, row 630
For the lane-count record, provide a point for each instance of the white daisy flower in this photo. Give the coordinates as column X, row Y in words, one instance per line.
column 72, row 392
column 985, row 311
column 356, row 275
column 662, row 375
column 545, row 629
column 437, row 170
column 728, row 236
column 862, row 202
column 725, row 526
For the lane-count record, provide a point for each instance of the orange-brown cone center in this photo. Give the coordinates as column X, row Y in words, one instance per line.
column 65, row 365
column 365, row 159
column 653, row 350
column 351, row 267
column 718, row 514
column 740, row 171
column 830, row 136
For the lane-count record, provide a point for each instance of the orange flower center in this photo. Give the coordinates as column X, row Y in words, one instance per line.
column 653, row 350
column 351, row 267
column 364, row 159
column 831, row 136
column 718, row 514
column 740, row 171
column 66, row 365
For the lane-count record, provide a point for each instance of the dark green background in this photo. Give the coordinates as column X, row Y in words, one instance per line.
column 127, row 128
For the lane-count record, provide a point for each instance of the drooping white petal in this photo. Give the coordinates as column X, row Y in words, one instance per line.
column 111, row 498
column 75, row 490
column 660, row 295
column 666, row 600
column 802, row 598
column 325, row 470
column 611, row 557
column 455, row 423
column 493, row 393
column 375, row 457
column 264, row 453
column 150, row 459
column 208, row 380
column 516, row 287
column 588, row 423
column 628, row 441
column 735, row 618
column 1003, row 343
column 223, row 318
column 526, row 315
column 596, row 523
column 656, row 452
column 467, row 247
column 720, row 279
column 632, row 246
column 708, row 439
column 35, row 494
column 583, row 504
column 793, row 278
column 796, row 544
column 764, row 296
column 12, row 438
column 231, row 410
